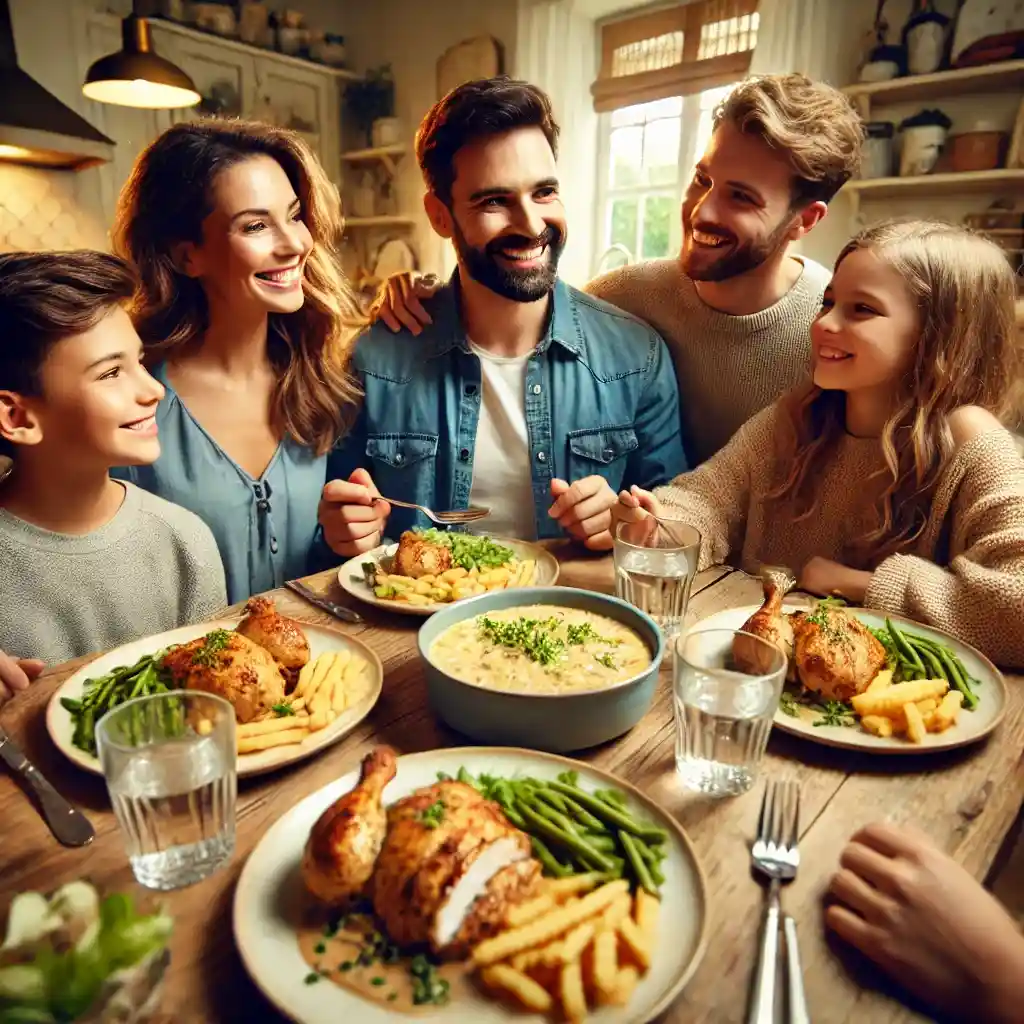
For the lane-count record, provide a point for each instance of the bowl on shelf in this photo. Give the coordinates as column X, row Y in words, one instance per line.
column 555, row 722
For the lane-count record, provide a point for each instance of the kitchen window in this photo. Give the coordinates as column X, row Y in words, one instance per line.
column 645, row 161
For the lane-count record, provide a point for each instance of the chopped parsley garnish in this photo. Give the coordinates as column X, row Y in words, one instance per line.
column 312, row 978
column 427, row 987
column 433, row 815
column 534, row 637
column 378, row 980
column 283, row 709
column 835, row 712
column 605, row 659
column 787, row 705
column 320, row 948
column 392, row 996
column 213, row 643
column 346, row 966
column 580, row 633
column 470, row 551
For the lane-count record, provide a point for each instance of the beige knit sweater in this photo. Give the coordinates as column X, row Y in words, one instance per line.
column 965, row 573
column 728, row 367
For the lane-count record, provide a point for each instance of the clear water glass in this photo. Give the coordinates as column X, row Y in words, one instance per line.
column 655, row 563
column 723, row 714
column 169, row 762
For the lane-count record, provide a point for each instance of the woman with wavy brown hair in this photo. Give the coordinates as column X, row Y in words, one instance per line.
column 248, row 323
column 888, row 479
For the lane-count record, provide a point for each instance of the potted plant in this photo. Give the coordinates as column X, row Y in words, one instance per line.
column 372, row 100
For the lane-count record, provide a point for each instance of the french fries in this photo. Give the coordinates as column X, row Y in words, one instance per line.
column 913, row 708
column 327, row 686
column 583, row 945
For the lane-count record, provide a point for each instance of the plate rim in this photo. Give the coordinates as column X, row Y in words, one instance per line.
column 825, row 739
column 672, row 992
column 425, row 611
column 289, row 754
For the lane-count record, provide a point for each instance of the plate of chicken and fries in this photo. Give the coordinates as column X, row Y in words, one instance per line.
column 476, row 884
column 429, row 569
column 295, row 688
column 864, row 679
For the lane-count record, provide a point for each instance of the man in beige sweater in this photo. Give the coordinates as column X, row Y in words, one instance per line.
column 735, row 308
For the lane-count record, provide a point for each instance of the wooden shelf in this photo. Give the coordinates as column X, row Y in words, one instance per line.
column 357, row 156
column 392, row 221
column 958, row 82
column 1002, row 179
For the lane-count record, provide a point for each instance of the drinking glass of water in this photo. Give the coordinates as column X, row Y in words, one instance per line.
column 723, row 714
column 655, row 562
column 169, row 762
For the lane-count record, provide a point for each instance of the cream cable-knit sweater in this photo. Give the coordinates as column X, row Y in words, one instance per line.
column 728, row 367
column 965, row 573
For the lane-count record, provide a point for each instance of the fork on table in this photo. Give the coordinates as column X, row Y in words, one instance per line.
column 455, row 517
column 776, row 857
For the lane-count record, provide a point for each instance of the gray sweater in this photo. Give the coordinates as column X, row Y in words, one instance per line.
column 728, row 367
column 153, row 567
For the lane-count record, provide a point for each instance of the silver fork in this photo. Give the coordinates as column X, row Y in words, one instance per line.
column 775, row 856
column 456, row 517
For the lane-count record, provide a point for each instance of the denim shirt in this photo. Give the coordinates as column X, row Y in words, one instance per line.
column 264, row 527
column 601, row 398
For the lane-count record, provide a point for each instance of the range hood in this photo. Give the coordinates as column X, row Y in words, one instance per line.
column 35, row 127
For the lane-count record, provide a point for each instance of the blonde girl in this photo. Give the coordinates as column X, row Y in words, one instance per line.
column 887, row 479
column 248, row 323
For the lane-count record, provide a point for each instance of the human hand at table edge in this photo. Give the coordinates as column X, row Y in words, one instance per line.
column 352, row 514
column 929, row 924
column 583, row 510
column 397, row 304
column 17, row 673
column 823, row 576
column 636, row 506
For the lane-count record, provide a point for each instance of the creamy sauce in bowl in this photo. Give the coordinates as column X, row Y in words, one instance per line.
column 541, row 649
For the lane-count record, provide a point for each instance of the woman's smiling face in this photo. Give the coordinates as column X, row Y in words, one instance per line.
column 867, row 331
column 255, row 242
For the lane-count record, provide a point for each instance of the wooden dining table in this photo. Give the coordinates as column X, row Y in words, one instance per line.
column 967, row 800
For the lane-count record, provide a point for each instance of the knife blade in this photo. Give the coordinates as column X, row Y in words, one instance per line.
column 68, row 824
column 339, row 611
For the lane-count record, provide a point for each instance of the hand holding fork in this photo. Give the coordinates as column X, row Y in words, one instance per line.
column 775, row 856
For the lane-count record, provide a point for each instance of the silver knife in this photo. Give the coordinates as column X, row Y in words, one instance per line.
column 339, row 611
column 68, row 825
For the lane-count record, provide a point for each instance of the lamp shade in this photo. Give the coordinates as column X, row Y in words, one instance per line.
column 136, row 76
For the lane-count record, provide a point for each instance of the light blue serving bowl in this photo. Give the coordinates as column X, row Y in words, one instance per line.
column 556, row 722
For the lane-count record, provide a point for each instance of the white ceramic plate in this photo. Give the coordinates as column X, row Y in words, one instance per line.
column 353, row 580
column 970, row 726
column 269, row 889
column 321, row 640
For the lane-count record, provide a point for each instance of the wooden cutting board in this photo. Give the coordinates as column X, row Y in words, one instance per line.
column 480, row 57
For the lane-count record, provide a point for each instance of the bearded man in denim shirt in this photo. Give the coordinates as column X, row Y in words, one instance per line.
column 523, row 395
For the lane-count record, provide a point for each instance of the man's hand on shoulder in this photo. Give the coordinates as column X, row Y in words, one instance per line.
column 398, row 303
column 583, row 510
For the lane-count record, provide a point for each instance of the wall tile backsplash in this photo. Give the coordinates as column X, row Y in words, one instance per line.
column 40, row 210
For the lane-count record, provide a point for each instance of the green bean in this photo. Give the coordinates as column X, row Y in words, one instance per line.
column 958, row 677
column 637, row 863
column 602, row 841
column 548, row 862
column 611, row 796
column 612, row 815
column 903, row 646
column 652, row 858
column 933, row 669
column 551, row 814
column 581, row 814
column 568, row 840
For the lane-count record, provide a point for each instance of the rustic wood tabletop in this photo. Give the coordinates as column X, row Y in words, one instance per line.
column 967, row 800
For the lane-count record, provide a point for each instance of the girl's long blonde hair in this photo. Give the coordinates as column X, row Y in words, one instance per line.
column 164, row 203
column 967, row 354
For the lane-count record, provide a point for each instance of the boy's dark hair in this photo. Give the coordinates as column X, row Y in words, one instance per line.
column 487, row 106
column 46, row 296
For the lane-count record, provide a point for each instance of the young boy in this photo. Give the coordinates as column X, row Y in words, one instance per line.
column 88, row 562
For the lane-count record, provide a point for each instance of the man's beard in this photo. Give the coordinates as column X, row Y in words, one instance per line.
column 520, row 285
column 740, row 259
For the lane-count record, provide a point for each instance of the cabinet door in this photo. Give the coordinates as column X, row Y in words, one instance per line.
column 223, row 76
column 305, row 100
